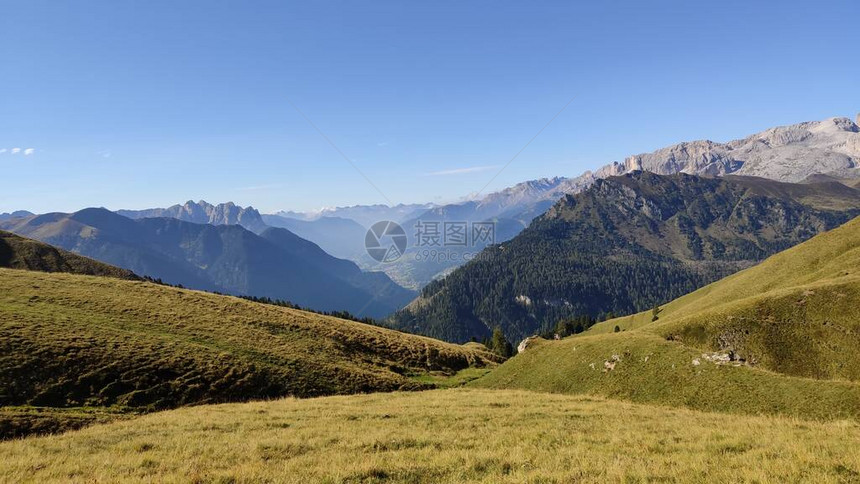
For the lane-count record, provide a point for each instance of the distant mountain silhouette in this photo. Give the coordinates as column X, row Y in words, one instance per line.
column 15, row 214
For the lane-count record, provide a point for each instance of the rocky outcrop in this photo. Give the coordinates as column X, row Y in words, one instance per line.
column 524, row 344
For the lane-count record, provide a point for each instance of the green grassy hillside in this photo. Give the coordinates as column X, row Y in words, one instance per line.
column 80, row 341
column 439, row 437
column 780, row 337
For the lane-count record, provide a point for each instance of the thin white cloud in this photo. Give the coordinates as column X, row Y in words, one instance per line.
column 29, row 151
column 15, row 151
column 382, row 144
column 104, row 153
column 460, row 171
column 3, row 150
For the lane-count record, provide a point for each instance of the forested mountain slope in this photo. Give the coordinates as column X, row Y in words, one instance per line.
column 622, row 246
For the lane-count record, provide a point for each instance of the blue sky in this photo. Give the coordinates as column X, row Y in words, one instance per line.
column 133, row 104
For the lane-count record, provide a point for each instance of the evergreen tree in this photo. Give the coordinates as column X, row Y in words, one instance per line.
column 500, row 345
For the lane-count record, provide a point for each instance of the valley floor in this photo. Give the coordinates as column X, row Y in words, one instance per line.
column 451, row 435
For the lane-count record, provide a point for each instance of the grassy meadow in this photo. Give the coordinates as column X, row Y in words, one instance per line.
column 441, row 436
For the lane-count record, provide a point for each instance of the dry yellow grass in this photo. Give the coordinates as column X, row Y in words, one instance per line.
column 441, row 436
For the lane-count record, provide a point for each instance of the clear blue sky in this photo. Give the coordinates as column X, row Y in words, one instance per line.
column 132, row 104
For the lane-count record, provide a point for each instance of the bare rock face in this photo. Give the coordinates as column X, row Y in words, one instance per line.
column 524, row 344
column 793, row 153
column 785, row 153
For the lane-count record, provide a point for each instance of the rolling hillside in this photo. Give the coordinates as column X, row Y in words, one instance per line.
column 224, row 258
column 81, row 341
column 780, row 337
column 622, row 246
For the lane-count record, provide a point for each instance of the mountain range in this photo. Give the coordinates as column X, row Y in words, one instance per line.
column 815, row 151
column 623, row 245
column 787, row 153
column 224, row 258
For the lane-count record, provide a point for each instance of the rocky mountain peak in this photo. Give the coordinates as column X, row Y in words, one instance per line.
column 202, row 212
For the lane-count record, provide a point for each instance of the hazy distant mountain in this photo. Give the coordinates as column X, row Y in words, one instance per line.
column 205, row 213
column 15, row 214
column 621, row 246
column 226, row 258
column 364, row 215
column 18, row 252
column 339, row 237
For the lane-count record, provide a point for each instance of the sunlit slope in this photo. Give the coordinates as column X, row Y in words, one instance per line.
column 780, row 337
column 69, row 341
column 441, row 436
